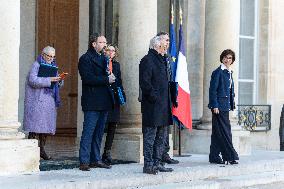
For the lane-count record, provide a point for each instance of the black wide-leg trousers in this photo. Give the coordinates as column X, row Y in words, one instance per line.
column 221, row 138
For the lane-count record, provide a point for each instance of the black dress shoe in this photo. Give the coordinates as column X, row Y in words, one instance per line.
column 84, row 167
column 164, row 169
column 150, row 170
column 217, row 162
column 106, row 158
column 169, row 160
column 44, row 156
column 100, row 164
column 233, row 162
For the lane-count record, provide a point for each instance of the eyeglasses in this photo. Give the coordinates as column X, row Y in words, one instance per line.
column 49, row 56
column 228, row 57
column 112, row 50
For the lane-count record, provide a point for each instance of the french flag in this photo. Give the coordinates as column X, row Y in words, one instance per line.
column 183, row 111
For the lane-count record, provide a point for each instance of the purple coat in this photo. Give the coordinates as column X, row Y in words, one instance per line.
column 39, row 111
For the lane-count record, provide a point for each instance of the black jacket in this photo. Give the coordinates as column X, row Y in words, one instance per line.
column 96, row 92
column 154, row 83
column 114, row 115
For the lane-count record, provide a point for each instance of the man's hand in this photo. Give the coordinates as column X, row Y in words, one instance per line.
column 111, row 78
column 216, row 111
column 175, row 104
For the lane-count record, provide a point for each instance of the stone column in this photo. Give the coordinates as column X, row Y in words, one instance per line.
column 137, row 25
column 221, row 32
column 275, row 73
column 16, row 153
column 83, row 47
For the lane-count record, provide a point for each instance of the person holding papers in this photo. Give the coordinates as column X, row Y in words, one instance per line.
column 42, row 98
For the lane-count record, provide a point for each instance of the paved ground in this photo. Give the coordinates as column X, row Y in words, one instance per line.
column 191, row 170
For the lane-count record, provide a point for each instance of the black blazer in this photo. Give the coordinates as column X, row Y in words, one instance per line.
column 114, row 115
column 221, row 95
column 96, row 92
column 154, row 83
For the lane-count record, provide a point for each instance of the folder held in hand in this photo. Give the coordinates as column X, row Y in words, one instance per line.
column 47, row 70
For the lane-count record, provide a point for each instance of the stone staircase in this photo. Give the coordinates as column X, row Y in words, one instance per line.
column 261, row 169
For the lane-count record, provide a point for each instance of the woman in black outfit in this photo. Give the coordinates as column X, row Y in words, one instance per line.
column 221, row 101
column 114, row 115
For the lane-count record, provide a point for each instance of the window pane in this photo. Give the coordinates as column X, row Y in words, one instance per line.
column 246, row 67
column 245, row 93
column 247, row 17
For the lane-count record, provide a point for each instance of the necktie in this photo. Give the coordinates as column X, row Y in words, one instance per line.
column 110, row 65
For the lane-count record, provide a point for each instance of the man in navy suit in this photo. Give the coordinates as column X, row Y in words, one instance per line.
column 221, row 101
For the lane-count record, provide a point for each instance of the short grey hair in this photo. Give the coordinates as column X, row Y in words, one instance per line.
column 48, row 49
column 155, row 42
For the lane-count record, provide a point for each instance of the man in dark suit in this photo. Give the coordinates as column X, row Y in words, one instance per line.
column 155, row 105
column 97, row 100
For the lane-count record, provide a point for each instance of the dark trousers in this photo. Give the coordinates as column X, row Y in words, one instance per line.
column 221, row 138
column 153, row 144
column 92, row 134
column 166, row 144
column 111, row 127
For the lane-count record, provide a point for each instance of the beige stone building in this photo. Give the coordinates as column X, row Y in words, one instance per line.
column 254, row 29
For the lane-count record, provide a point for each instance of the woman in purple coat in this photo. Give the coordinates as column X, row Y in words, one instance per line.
column 41, row 101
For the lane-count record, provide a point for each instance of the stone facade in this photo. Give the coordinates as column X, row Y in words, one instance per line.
column 209, row 27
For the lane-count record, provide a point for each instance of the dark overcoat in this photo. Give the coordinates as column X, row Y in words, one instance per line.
column 114, row 115
column 96, row 92
column 154, row 83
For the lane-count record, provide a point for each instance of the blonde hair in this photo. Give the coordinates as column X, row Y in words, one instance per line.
column 116, row 51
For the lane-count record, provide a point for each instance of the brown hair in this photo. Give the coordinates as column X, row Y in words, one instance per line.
column 93, row 38
column 162, row 33
column 116, row 51
column 225, row 53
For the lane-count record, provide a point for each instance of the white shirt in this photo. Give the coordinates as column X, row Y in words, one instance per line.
column 223, row 67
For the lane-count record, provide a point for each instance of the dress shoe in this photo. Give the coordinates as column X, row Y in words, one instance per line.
column 106, row 158
column 100, row 164
column 169, row 160
column 84, row 167
column 217, row 162
column 164, row 169
column 44, row 156
column 233, row 162
column 150, row 170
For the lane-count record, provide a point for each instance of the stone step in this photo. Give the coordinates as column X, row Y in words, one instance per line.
column 275, row 185
column 194, row 171
column 251, row 181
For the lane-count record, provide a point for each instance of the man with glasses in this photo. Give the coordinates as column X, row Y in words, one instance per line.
column 97, row 99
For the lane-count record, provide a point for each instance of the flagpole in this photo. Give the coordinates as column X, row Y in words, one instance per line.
column 179, row 138
column 179, row 125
